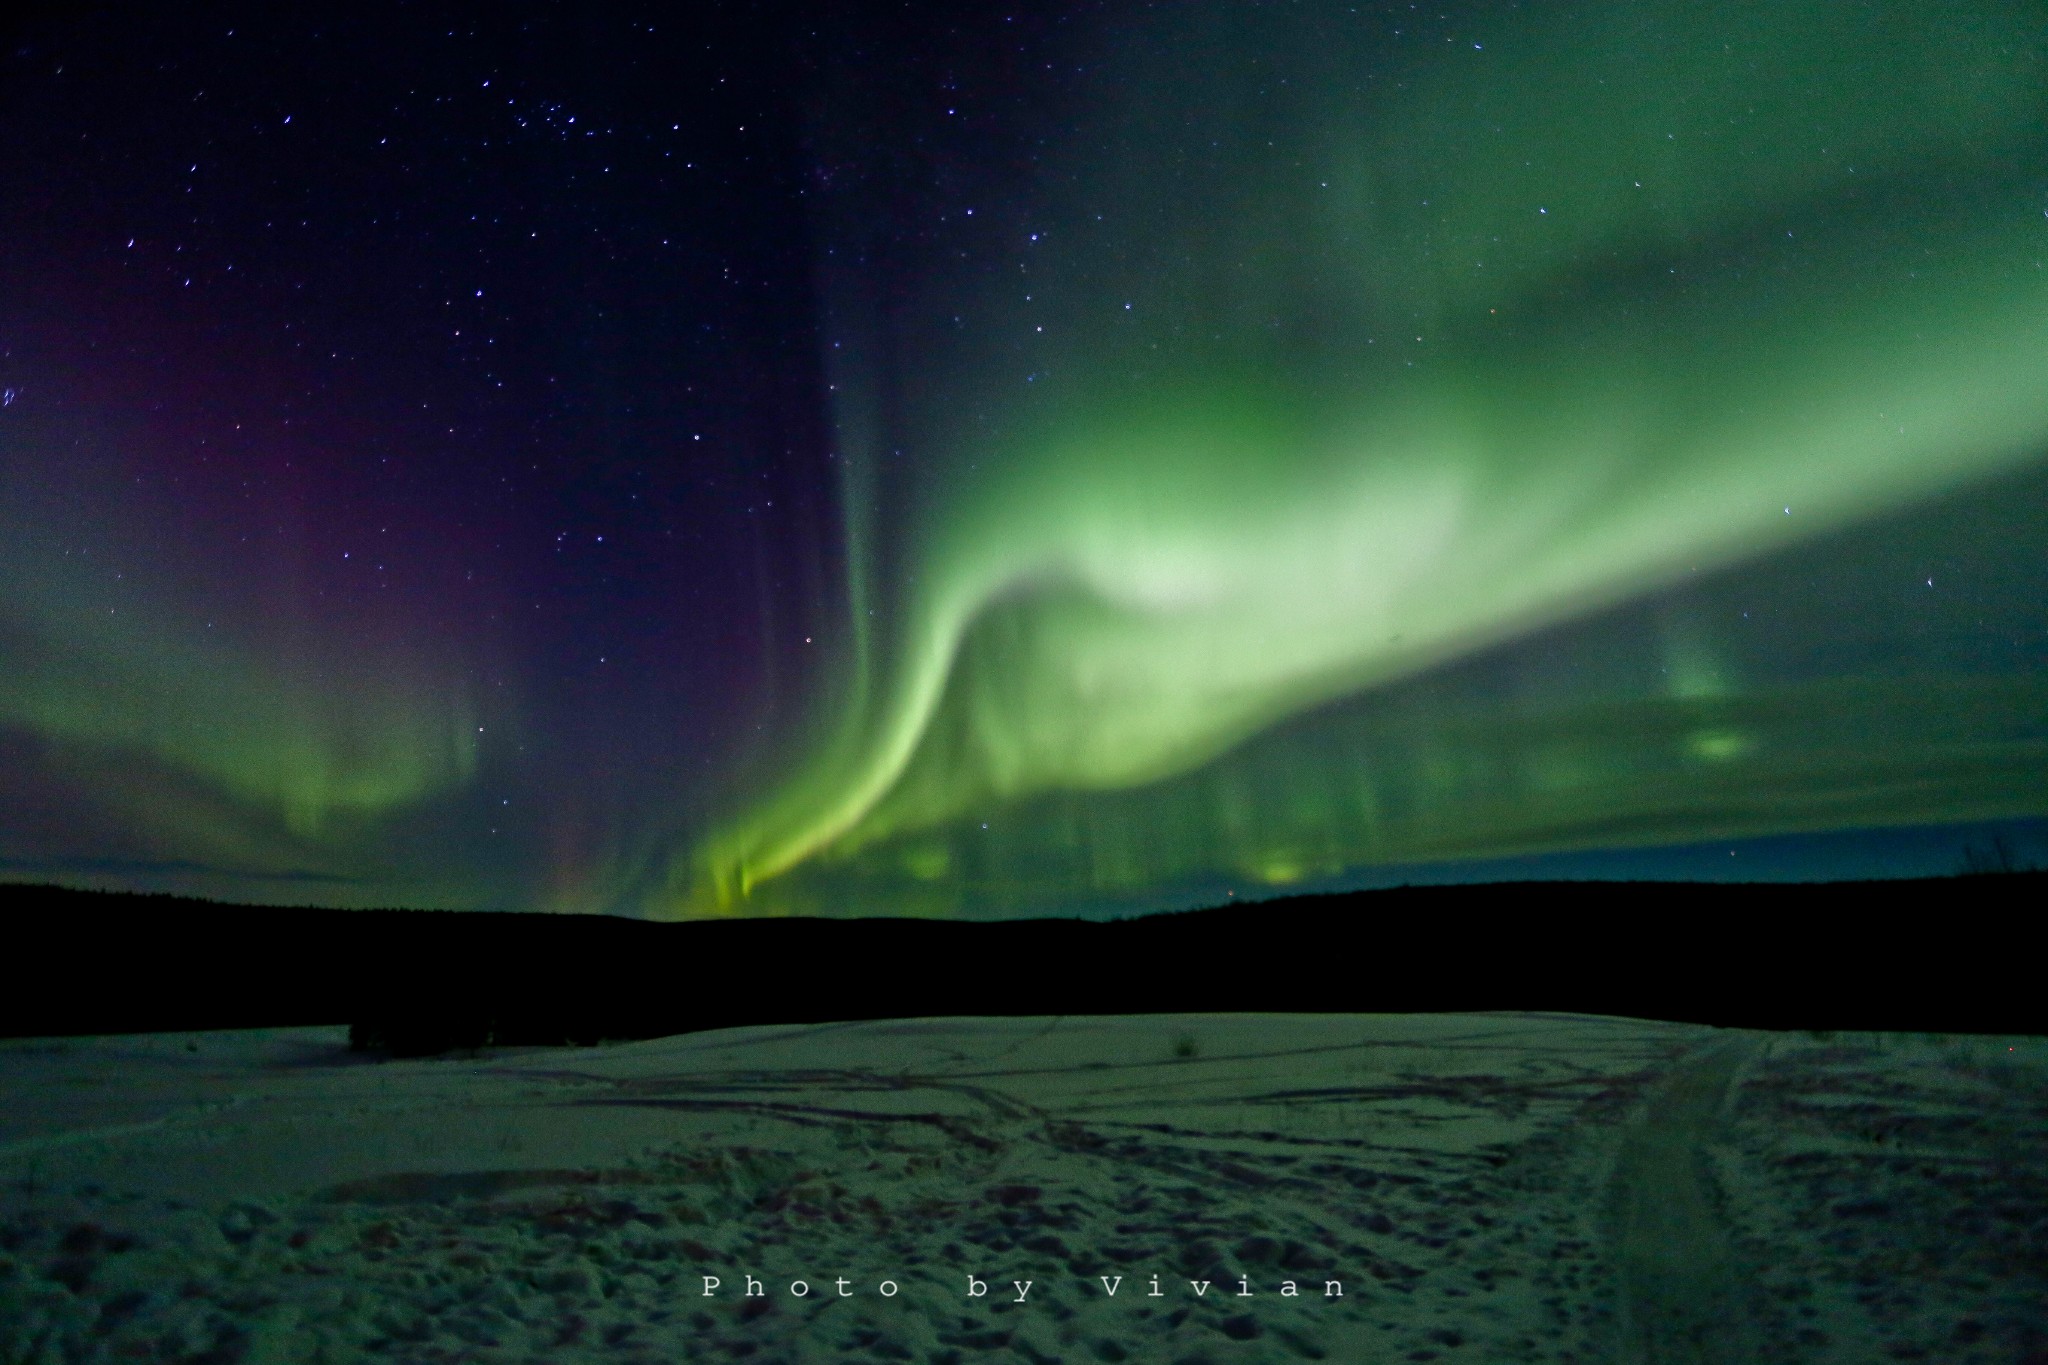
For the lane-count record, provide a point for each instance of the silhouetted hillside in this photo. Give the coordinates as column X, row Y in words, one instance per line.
column 1932, row 955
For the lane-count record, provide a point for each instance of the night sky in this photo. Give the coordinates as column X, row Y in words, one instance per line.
column 931, row 460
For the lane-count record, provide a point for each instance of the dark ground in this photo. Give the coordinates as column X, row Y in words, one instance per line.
column 1907, row 956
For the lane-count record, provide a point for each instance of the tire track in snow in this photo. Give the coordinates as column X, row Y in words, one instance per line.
column 1680, row 1300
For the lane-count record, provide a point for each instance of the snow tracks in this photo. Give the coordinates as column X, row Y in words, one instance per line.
column 1680, row 1303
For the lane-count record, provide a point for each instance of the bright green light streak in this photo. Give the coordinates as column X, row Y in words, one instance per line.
column 1159, row 566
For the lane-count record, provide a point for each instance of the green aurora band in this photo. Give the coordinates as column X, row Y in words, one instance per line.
column 283, row 744
column 1336, row 366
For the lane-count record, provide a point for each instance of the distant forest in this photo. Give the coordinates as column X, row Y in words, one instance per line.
column 1763, row 955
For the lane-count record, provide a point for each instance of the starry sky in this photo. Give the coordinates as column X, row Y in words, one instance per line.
column 937, row 460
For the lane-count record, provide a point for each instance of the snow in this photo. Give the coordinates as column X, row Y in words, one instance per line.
column 1465, row 1181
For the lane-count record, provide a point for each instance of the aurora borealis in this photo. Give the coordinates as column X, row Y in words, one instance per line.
column 967, row 463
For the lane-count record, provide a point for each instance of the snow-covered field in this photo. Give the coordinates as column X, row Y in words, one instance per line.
column 1484, row 1187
